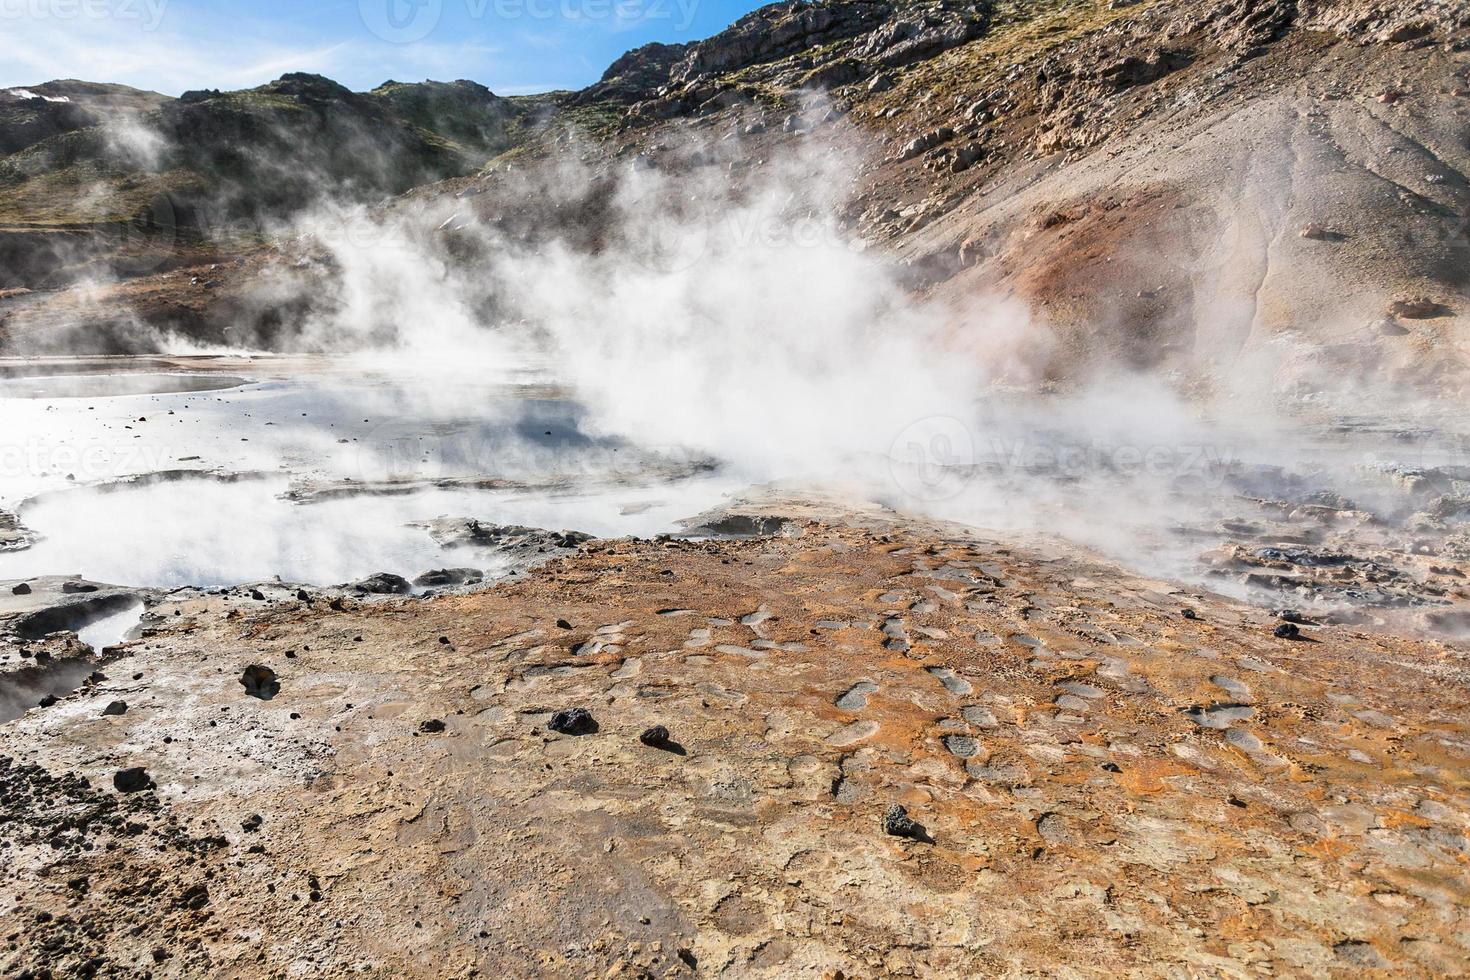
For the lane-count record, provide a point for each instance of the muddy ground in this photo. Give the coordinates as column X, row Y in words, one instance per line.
column 1108, row 775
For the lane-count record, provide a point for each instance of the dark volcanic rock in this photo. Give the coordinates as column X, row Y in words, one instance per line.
column 777, row 31
column 736, row 526
column 432, row 726
column 449, row 576
column 77, row 608
column 526, row 546
column 573, row 721
column 383, row 583
column 655, row 736
column 260, row 682
column 21, row 589
column 116, row 708
column 132, row 780
column 818, row 44
column 637, row 75
column 897, row 823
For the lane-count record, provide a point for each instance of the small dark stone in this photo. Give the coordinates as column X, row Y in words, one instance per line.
column 384, row 583
column 1189, row 614
column 303, row 595
column 449, row 577
column 562, row 624
column 1287, row 631
column 655, row 736
column 257, row 595
column 896, row 823
column 573, row 721
column 252, row 823
column 260, row 682
column 131, row 780
column 433, row 726
column 21, row 589
column 75, row 588
column 444, row 640
column 48, row 700
column 116, row 708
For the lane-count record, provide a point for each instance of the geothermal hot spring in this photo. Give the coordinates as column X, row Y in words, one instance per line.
column 212, row 472
column 233, row 471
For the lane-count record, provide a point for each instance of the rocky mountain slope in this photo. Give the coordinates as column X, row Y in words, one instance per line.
column 1273, row 190
column 110, row 182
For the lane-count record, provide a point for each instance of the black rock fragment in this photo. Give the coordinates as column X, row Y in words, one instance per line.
column 252, row 823
column 1287, row 631
column 573, row 721
column 449, row 577
column 21, row 589
column 116, row 708
column 131, row 780
column 897, row 823
column 260, row 682
column 432, row 726
column 383, row 583
column 656, row 736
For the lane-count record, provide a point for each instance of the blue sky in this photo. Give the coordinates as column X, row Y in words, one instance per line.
column 513, row 46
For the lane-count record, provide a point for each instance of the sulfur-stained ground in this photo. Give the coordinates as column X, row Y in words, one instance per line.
column 1112, row 785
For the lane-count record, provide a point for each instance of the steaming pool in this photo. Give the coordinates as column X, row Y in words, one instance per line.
column 216, row 472
column 232, row 471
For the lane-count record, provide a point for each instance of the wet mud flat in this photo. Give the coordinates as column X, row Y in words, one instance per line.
column 902, row 749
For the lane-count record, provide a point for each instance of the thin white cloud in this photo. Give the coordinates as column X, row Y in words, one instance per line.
column 170, row 62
